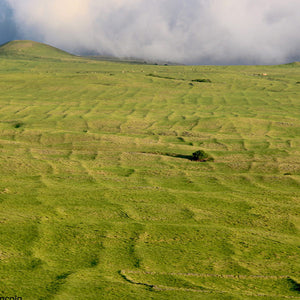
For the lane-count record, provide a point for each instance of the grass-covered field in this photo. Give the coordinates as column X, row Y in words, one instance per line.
column 99, row 201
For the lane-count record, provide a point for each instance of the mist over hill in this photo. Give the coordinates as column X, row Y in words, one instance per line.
column 190, row 32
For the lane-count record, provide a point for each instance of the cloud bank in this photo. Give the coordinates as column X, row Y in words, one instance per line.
column 189, row 31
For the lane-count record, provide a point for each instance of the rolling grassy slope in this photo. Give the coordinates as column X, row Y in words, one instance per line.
column 31, row 49
column 98, row 200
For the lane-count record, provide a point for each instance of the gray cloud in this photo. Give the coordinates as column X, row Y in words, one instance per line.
column 8, row 28
column 190, row 31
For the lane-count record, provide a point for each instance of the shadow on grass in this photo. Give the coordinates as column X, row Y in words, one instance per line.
column 294, row 285
column 188, row 157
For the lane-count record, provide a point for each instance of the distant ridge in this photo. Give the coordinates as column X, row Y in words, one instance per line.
column 295, row 64
column 292, row 64
column 31, row 49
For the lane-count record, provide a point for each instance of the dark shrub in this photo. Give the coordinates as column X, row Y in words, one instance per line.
column 18, row 124
column 201, row 80
column 201, row 155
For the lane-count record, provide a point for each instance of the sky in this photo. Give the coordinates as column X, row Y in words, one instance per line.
column 184, row 31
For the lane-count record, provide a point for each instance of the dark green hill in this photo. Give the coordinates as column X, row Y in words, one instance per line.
column 32, row 49
column 293, row 64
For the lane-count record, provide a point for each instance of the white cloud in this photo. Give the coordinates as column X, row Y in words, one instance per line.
column 189, row 31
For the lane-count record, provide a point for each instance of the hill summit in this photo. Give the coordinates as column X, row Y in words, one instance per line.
column 24, row 48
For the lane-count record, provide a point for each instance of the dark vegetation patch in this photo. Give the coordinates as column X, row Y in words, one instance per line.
column 168, row 77
column 159, row 76
column 13, row 123
column 18, row 124
column 295, row 286
column 199, row 155
column 201, row 80
column 56, row 284
column 189, row 157
column 94, row 262
column 181, row 139
column 150, row 286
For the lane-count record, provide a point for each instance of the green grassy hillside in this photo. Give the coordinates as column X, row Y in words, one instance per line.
column 31, row 49
column 99, row 199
